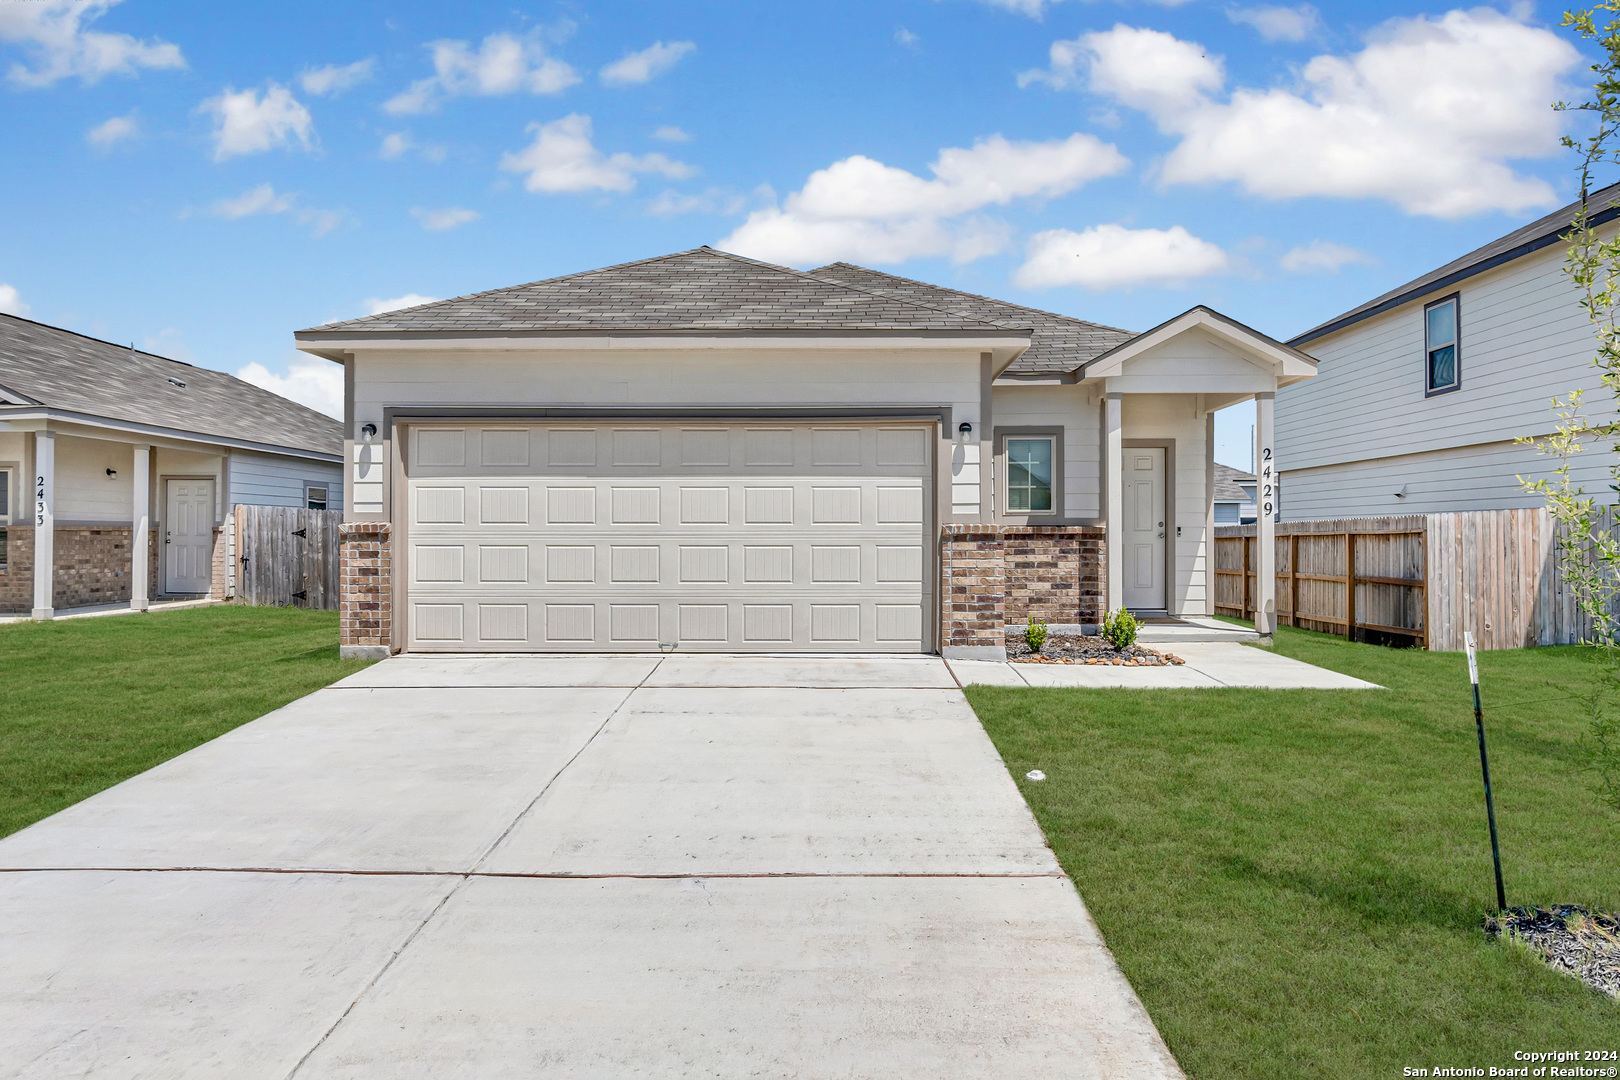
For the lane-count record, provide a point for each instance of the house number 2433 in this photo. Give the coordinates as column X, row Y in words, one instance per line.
column 39, row 501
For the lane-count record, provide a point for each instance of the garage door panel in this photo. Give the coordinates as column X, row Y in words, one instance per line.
column 718, row 537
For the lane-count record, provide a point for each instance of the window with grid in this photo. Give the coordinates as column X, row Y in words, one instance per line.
column 1029, row 475
column 5, row 515
column 315, row 497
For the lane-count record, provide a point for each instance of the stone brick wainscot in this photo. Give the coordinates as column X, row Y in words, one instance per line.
column 92, row 567
column 365, row 589
column 996, row 576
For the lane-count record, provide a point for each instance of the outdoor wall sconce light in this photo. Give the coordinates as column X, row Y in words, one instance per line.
column 368, row 432
column 965, row 428
column 112, row 472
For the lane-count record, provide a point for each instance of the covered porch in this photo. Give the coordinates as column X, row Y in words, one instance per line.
column 1159, row 393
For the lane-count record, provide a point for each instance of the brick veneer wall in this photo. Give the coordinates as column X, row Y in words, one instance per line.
column 216, row 590
column 91, row 562
column 17, row 579
column 365, row 588
column 992, row 576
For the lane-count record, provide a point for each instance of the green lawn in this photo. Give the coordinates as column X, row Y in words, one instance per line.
column 1294, row 880
column 86, row 703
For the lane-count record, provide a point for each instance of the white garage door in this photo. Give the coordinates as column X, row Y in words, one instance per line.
column 626, row 536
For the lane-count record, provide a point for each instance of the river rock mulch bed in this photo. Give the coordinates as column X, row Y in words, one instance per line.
column 1582, row 943
column 1075, row 649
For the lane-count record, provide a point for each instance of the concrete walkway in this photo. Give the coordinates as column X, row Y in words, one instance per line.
column 568, row 866
column 1208, row 664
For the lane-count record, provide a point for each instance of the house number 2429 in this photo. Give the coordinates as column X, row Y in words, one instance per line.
column 1268, row 483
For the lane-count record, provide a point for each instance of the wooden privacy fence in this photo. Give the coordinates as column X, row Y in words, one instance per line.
column 286, row 556
column 1419, row 578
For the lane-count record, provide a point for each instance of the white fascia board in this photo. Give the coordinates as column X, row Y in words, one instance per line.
column 1240, row 385
column 1286, row 362
column 98, row 427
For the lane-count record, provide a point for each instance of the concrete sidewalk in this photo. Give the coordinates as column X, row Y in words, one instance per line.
column 568, row 866
column 1208, row 665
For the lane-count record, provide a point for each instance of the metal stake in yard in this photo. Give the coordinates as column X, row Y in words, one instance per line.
column 1485, row 768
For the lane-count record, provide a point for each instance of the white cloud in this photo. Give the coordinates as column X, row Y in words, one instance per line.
column 503, row 64
column 264, row 199
column 396, row 144
column 862, row 209
column 1427, row 116
column 1322, row 256
column 11, row 302
column 245, row 123
column 646, row 65
column 671, row 133
column 906, row 39
column 1114, row 257
column 257, row 200
column 440, row 220
column 563, row 159
column 112, row 131
column 375, row 306
column 169, row 342
column 53, row 31
column 315, row 383
column 1036, row 9
column 335, row 78
column 712, row 201
column 1279, row 23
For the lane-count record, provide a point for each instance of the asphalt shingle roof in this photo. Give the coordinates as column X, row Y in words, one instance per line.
column 63, row 370
column 1058, row 343
column 700, row 290
column 1540, row 233
column 1227, row 481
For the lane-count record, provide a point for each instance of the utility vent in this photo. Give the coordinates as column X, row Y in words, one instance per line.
column 176, row 382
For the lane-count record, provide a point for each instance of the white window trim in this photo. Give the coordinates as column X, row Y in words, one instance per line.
column 326, row 494
column 7, row 520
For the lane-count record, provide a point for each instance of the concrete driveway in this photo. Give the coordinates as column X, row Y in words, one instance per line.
column 567, row 866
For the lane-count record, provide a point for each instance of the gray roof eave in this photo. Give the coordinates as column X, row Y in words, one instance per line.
column 32, row 412
column 317, row 336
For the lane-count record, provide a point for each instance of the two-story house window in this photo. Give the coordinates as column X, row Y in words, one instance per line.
column 1440, row 345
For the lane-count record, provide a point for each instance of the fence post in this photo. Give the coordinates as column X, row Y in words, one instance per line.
column 1293, row 580
column 1246, row 564
column 1350, row 586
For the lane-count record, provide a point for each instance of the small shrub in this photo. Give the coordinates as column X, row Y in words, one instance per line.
column 1120, row 629
column 1035, row 635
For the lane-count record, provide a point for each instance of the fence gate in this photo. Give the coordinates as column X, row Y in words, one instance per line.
column 287, row 556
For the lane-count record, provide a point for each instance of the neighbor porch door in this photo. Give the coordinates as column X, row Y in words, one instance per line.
column 188, row 536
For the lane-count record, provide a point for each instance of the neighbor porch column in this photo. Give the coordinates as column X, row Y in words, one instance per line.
column 1265, row 527
column 140, row 527
column 1114, row 513
column 44, row 524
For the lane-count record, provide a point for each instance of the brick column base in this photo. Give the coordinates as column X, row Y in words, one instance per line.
column 996, row 576
column 365, row 590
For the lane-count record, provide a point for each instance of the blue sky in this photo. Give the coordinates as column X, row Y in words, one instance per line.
column 204, row 180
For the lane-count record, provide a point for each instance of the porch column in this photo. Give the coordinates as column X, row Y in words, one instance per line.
column 1265, row 527
column 140, row 528
column 1114, row 513
column 44, row 487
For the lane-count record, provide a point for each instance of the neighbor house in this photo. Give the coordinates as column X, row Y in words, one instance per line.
column 1421, row 392
column 704, row 452
column 1234, row 496
column 118, row 469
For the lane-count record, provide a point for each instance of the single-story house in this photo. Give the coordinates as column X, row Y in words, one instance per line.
column 118, row 469
column 1234, row 496
column 700, row 451
column 1421, row 391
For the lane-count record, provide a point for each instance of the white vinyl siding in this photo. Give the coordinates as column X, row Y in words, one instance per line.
column 1523, row 339
column 85, row 494
column 1066, row 409
column 1465, row 478
column 272, row 480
